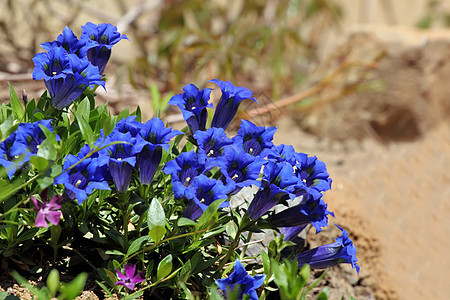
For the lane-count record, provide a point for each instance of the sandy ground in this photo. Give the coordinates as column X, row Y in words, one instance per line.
column 396, row 197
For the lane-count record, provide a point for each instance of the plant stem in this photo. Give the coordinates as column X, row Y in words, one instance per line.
column 150, row 248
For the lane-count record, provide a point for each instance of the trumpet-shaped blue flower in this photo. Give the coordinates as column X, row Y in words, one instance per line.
column 7, row 160
column 151, row 140
column 205, row 191
column 119, row 159
column 240, row 279
column 239, row 169
column 183, row 169
column 255, row 140
column 68, row 40
column 193, row 104
column 211, row 143
column 81, row 180
column 66, row 76
column 102, row 38
column 28, row 138
column 129, row 124
column 278, row 184
column 341, row 251
column 313, row 172
column 312, row 211
column 290, row 233
column 229, row 102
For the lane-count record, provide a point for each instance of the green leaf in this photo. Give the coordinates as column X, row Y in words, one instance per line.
column 53, row 282
column 164, row 267
column 210, row 215
column 27, row 235
column 136, row 245
column 84, row 108
column 47, row 150
column 45, row 182
column 75, row 287
column 39, row 163
column 15, row 103
column 86, row 130
column 186, row 222
column 266, row 261
column 324, row 294
column 156, row 221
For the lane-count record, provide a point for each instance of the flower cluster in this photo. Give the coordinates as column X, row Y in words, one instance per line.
column 71, row 65
column 126, row 185
column 21, row 145
column 132, row 147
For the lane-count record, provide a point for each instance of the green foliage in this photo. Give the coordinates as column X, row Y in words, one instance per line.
column 66, row 291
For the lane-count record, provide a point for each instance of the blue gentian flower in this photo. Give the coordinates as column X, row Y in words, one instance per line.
column 255, row 140
column 239, row 169
column 205, row 191
column 240, row 279
column 341, row 251
column 183, row 169
column 211, row 143
column 102, row 37
column 312, row 211
column 313, row 172
column 119, row 159
column 284, row 153
column 7, row 160
column 128, row 124
column 66, row 76
column 278, row 184
column 151, row 140
column 70, row 43
column 290, row 233
column 84, row 178
column 229, row 102
column 193, row 104
column 28, row 138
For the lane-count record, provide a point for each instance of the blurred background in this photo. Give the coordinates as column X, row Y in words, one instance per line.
column 362, row 84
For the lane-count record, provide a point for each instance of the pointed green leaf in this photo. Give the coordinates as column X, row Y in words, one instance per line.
column 53, row 282
column 164, row 267
column 136, row 245
column 156, row 221
column 15, row 103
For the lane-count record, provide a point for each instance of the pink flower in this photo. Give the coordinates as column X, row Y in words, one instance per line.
column 129, row 280
column 47, row 211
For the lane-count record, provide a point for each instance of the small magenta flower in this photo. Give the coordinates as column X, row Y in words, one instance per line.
column 47, row 211
column 193, row 104
column 240, row 279
column 255, row 140
column 102, row 38
column 229, row 102
column 341, row 251
column 129, row 280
